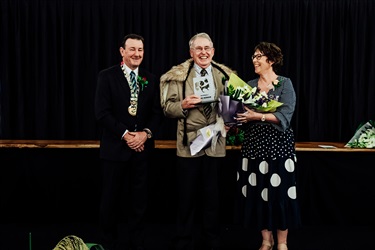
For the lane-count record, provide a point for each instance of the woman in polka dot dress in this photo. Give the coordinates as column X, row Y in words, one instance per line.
column 267, row 175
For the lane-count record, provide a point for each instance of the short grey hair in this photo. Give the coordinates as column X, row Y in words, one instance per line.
column 200, row 35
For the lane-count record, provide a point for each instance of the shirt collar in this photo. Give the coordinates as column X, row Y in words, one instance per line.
column 128, row 70
column 198, row 70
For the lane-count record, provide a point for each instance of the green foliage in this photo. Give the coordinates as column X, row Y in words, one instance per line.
column 235, row 136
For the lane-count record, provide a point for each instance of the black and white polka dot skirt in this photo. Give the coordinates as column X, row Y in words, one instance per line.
column 266, row 178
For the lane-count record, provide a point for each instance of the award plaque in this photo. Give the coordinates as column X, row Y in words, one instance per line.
column 205, row 88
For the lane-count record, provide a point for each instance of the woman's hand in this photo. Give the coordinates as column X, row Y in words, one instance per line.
column 248, row 115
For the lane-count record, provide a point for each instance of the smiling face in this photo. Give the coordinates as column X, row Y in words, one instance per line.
column 261, row 63
column 202, row 52
column 132, row 54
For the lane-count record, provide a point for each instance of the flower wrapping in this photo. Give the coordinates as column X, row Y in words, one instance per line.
column 207, row 136
column 228, row 108
column 364, row 136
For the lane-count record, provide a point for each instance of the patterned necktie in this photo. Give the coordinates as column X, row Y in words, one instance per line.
column 207, row 109
column 134, row 81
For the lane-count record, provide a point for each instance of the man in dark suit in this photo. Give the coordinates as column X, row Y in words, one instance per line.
column 127, row 107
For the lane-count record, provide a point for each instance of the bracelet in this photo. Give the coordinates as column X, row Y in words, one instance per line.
column 263, row 118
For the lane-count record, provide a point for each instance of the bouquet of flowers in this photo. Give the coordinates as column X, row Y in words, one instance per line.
column 237, row 89
column 237, row 94
column 364, row 136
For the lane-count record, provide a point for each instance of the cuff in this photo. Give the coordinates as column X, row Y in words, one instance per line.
column 148, row 131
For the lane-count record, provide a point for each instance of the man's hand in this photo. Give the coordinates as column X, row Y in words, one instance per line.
column 190, row 101
column 136, row 140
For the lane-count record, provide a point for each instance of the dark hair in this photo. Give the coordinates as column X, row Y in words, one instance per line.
column 132, row 36
column 273, row 53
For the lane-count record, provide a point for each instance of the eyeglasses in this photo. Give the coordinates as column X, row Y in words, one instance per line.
column 257, row 56
column 200, row 49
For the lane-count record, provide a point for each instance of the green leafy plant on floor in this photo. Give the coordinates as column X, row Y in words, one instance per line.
column 235, row 136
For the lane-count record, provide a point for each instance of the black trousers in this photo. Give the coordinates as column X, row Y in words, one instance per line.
column 198, row 189
column 124, row 189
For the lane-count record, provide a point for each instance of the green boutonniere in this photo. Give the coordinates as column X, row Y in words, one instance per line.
column 275, row 84
column 142, row 82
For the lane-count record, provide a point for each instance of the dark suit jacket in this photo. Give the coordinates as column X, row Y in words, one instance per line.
column 111, row 110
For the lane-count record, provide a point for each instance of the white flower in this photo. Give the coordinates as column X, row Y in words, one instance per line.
column 367, row 139
column 364, row 137
column 275, row 83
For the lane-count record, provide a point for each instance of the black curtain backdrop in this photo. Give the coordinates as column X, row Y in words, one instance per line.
column 52, row 50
